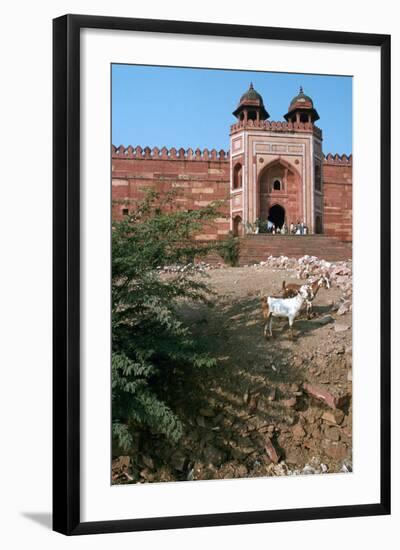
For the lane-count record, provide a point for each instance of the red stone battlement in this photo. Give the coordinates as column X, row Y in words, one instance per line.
column 277, row 126
column 168, row 154
column 338, row 160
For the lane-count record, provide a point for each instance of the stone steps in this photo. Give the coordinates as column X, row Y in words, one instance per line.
column 256, row 248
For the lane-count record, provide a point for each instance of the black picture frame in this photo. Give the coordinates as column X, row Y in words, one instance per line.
column 66, row 273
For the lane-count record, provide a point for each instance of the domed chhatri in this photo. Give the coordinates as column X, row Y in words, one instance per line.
column 251, row 106
column 301, row 109
column 251, row 95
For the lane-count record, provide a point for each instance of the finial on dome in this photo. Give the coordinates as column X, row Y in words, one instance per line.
column 251, row 87
column 301, row 89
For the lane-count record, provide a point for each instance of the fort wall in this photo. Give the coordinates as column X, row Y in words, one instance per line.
column 203, row 176
column 338, row 201
column 199, row 177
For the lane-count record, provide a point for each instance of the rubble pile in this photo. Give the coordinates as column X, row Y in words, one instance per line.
column 278, row 407
column 310, row 268
column 198, row 267
column 339, row 274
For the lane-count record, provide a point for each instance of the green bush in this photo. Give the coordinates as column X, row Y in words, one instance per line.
column 149, row 341
column 230, row 250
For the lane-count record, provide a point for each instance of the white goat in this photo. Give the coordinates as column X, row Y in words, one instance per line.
column 290, row 290
column 284, row 307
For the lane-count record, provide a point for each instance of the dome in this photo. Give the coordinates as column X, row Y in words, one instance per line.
column 251, row 101
column 302, row 100
column 251, row 95
column 302, row 103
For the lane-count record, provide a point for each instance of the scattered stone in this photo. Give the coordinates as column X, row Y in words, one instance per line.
column 332, row 433
column 294, row 456
column 291, row 402
column 241, row 471
column 272, row 395
column 333, row 417
column 121, row 468
column 147, row 475
column 148, row 461
column 122, row 462
column 344, row 308
column 350, row 375
column 165, row 474
column 322, row 395
column 335, row 450
column 340, row 327
column 308, row 469
column 253, row 402
column 299, row 432
column 271, row 451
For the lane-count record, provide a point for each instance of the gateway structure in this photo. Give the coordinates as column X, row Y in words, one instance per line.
column 274, row 171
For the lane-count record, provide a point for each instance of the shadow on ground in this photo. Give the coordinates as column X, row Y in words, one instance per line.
column 45, row 519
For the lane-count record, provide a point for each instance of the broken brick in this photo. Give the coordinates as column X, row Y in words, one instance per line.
column 271, row 451
column 322, row 395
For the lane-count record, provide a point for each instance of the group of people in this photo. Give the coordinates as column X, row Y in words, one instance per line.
column 300, row 228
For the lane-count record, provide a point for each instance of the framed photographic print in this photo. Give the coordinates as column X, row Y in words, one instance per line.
column 221, row 274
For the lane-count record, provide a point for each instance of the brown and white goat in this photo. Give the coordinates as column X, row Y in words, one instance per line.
column 292, row 289
column 284, row 307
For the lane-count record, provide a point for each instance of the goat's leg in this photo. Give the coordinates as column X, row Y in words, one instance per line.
column 291, row 319
column 266, row 326
column 309, row 307
column 270, row 326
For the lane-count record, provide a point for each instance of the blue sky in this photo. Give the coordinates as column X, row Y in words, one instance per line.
column 179, row 107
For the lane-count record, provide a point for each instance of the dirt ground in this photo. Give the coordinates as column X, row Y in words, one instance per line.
column 271, row 406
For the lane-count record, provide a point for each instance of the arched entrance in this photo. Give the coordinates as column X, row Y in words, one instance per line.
column 276, row 215
column 237, row 226
column 280, row 193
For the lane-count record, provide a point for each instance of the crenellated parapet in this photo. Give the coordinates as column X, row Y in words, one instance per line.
column 276, row 126
column 143, row 153
column 342, row 160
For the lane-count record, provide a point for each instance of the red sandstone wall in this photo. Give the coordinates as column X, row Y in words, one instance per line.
column 203, row 176
column 338, row 203
column 200, row 177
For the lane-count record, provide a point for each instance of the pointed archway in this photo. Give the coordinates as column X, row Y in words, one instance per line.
column 280, row 183
column 276, row 215
column 237, row 226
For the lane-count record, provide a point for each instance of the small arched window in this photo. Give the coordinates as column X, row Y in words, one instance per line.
column 237, row 176
column 277, row 186
column 237, row 226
